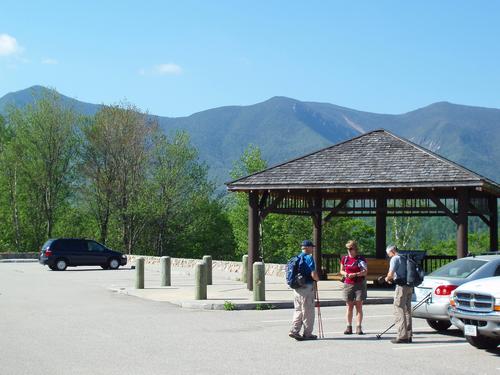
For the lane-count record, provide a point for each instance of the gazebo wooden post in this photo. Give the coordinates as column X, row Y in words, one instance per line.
column 317, row 233
column 462, row 223
column 493, row 208
column 380, row 227
column 253, row 235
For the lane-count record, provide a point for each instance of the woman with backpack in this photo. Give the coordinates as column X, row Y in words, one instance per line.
column 354, row 268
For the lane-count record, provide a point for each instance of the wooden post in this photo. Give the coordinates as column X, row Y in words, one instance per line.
column 139, row 273
column 493, row 208
column 259, row 281
column 200, row 277
column 380, row 228
column 462, row 223
column 244, row 271
column 208, row 260
column 253, row 235
column 317, row 233
column 165, row 271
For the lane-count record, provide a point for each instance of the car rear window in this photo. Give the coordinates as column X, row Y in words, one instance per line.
column 47, row 244
column 460, row 268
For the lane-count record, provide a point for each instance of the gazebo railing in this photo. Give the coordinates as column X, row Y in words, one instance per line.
column 433, row 262
column 331, row 262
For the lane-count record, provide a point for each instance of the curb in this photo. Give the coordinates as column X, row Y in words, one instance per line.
column 270, row 305
column 18, row 260
column 251, row 305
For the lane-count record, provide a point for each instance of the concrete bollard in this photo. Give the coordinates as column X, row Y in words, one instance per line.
column 139, row 273
column 259, row 281
column 200, row 278
column 165, row 271
column 208, row 260
column 244, row 272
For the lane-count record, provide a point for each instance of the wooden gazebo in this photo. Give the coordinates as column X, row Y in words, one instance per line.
column 376, row 174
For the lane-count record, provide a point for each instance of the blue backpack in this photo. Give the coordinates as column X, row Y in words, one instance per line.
column 296, row 276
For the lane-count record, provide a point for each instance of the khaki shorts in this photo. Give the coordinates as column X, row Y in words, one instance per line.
column 354, row 292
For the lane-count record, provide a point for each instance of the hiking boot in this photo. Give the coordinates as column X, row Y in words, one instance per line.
column 359, row 331
column 295, row 336
column 348, row 330
column 310, row 337
column 401, row 341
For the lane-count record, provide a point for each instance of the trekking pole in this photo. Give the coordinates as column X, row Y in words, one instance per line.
column 426, row 298
column 321, row 332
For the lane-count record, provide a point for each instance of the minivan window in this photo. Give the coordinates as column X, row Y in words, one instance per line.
column 70, row 245
column 460, row 268
column 94, row 246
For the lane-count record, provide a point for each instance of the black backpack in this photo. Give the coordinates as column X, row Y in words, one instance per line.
column 414, row 271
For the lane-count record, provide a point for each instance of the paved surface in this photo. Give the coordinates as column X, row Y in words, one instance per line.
column 69, row 323
column 227, row 287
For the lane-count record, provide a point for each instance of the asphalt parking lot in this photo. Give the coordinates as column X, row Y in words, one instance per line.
column 69, row 323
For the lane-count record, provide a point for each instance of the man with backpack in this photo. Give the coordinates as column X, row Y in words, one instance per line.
column 301, row 275
column 402, row 299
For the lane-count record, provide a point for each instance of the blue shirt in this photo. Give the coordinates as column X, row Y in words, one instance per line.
column 398, row 266
column 309, row 265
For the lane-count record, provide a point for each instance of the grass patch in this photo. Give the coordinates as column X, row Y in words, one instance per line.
column 264, row 306
column 229, row 306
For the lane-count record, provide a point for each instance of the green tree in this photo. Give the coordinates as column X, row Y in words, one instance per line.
column 45, row 149
column 251, row 161
column 115, row 155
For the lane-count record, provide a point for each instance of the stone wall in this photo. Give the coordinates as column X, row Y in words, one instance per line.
column 272, row 269
column 18, row 255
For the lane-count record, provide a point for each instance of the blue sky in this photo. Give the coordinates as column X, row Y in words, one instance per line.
column 176, row 58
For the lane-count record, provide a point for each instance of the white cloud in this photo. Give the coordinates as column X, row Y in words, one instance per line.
column 167, row 69
column 162, row 70
column 9, row 45
column 50, row 61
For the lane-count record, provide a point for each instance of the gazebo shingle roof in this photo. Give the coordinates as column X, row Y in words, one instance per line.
column 377, row 159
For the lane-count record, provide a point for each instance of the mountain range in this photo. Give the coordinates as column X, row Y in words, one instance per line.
column 285, row 128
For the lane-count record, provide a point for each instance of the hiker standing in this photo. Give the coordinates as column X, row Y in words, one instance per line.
column 402, row 298
column 304, row 296
column 353, row 268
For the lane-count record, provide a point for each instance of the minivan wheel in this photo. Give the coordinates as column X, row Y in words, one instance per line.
column 482, row 342
column 61, row 265
column 439, row 325
column 114, row 263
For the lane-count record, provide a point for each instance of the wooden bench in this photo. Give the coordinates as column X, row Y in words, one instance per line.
column 376, row 268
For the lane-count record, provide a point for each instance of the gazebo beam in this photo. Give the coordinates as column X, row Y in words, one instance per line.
column 253, row 235
column 317, row 234
column 380, row 228
column 462, row 223
column 493, row 208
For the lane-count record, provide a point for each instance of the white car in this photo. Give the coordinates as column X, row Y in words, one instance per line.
column 475, row 309
column 440, row 284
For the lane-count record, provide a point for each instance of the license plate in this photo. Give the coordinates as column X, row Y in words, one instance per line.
column 470, row 330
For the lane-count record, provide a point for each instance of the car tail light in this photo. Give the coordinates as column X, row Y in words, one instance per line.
column 444, row 290
column 48, row 252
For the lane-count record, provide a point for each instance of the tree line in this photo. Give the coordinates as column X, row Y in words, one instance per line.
column 115, row 176
column 118, row 177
